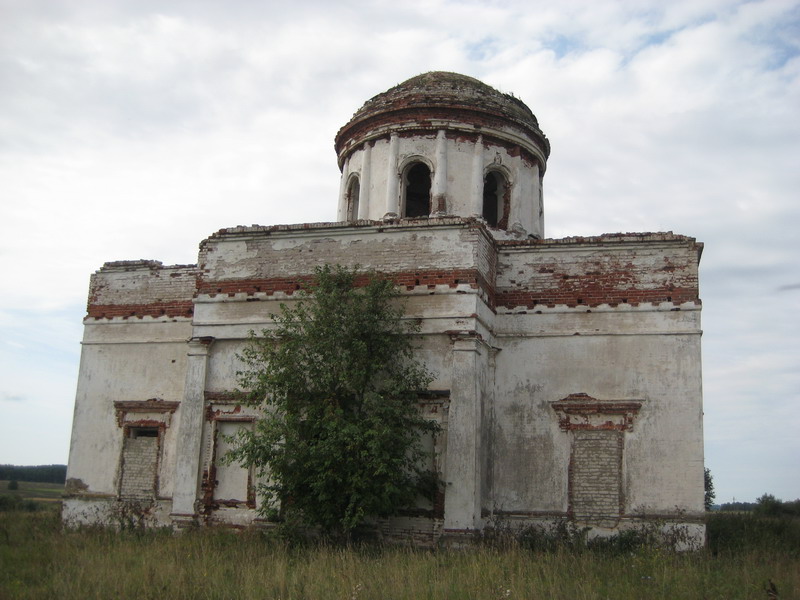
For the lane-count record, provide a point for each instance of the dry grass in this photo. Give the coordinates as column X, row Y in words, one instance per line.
column 39, row 560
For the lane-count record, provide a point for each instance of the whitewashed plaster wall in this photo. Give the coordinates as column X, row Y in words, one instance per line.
column 123, row 361
column 465, row 165
column 663, row 467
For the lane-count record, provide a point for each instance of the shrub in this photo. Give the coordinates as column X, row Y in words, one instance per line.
column 768, row 506
column 563, row 535
column 9, row 502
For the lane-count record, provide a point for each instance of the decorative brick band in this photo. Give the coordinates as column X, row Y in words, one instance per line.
column 588, row 293
column 177, row 308
column 269, row 286
column 289, row 285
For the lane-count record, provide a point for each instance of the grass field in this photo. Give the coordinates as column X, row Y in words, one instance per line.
column 30, row 490
column 40, row 560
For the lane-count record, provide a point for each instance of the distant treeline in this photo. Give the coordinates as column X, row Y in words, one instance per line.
column 767, row 505
column 39, row 473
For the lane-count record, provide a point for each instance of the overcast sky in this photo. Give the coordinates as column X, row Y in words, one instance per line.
column 134, row 129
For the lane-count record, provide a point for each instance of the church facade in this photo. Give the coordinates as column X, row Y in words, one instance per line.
column 567, row 371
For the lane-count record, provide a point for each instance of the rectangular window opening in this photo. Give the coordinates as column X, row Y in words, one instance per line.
column 139, row 432
column 139, row 468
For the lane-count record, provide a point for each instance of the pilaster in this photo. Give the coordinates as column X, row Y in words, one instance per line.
column 516, row 217
column 439, row 183
column 462, row 512
column 366, row 183
column 476, row 202
column 392, row 180
column 536, row 202
column 190, row 433
column 341, row 212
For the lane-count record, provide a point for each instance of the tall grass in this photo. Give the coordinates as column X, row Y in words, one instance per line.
column 40, row 560
column 730, row 532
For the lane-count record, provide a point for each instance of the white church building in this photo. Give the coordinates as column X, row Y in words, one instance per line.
column 567, row 371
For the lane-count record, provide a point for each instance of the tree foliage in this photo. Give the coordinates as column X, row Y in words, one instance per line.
column 338, row 385
column 768, row 505
column 42, row 473
column 710, row 494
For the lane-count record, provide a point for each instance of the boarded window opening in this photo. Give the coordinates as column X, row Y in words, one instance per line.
column 418, row 191
column 434, row 406
column 596, row 477
column 139, row 469
column 232, row 480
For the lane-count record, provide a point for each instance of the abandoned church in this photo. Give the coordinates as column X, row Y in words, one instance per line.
column 567, row 371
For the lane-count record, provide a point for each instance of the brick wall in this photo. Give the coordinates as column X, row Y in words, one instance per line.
column 138, row 288
column 429, row 252
column 418, row 531
column 610, row 269
column 139, row 462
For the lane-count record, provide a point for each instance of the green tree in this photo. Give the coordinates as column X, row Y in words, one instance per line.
column 710, row 494
column 768, row 505
column 338, row 385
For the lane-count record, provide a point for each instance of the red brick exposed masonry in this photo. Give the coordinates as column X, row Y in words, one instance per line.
column 610, row 269
column 577, row 272
column 590, row 293
column 183, row 308
column 287, row 285
column 142, row 288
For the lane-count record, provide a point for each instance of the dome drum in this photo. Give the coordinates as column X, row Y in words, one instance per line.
column 444, row 144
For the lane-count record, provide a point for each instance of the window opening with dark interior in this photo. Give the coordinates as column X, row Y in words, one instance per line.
column 140, row 432
column 418, row 191
column 353, row 192
column 493, row 192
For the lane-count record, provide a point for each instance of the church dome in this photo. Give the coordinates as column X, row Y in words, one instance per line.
column 431, row 99
column 444, row 144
